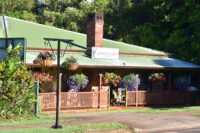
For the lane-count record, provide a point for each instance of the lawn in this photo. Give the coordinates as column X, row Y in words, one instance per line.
column 49, row 118
column 197, row 114
column 163, row 110
column 72, row 128
column 33, row 121
column 151, row 110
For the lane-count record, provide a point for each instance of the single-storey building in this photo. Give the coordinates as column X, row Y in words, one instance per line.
column 129, row 59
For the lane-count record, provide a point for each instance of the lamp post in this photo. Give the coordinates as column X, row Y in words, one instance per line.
column 58, row 76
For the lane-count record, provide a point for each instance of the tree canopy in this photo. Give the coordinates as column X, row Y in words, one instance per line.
column 167, row 25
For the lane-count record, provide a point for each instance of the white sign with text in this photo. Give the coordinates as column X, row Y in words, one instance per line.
column 105, row 53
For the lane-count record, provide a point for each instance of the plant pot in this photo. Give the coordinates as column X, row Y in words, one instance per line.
column 46, row 63
column 73, row 67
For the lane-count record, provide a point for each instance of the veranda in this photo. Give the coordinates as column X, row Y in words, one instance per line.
column 148, row 93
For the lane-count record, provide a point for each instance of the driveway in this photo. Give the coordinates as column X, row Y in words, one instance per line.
column 145, row 122
column 192, row 130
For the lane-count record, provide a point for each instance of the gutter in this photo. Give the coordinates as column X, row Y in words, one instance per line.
column 73, row 50
column 121, row 67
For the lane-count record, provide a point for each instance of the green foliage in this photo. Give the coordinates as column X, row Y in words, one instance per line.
column 16, row 88
column 7, row 6
column 174, row 27
column 71, row 19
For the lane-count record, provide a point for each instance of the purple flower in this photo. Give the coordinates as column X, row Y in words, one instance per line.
column 130, row 81
column 77, row 82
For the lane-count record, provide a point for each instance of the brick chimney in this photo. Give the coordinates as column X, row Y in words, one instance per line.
column 95, row 23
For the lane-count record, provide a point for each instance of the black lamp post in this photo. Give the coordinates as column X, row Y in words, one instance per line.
column 58, row 76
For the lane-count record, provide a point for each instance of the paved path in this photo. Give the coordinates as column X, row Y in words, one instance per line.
column 192, row 130
column 145, row 122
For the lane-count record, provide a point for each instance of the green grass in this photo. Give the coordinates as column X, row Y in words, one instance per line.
column 162, row 110
column 73, row 128
column 197, row 114
column 33, row 121
column 152, row 110
column 159, row 110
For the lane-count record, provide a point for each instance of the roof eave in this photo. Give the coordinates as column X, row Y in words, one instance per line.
column 124, row 67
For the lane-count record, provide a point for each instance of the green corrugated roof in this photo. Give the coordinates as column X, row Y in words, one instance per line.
column 36, row 32
column 124, row 60
column 2, row 35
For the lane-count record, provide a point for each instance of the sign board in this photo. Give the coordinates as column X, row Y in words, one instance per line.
column 105, row 53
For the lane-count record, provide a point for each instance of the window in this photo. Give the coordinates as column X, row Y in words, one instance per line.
column 2, row 43
column 5, row 43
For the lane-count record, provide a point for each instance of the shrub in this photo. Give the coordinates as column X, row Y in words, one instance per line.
column 130, row 81
column 16, row 88
column 77, row 82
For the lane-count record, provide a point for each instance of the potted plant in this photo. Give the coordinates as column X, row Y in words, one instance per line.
column 157, row 77
column 42, row 77
column 158, row 80
column 45, row 58
column 111, row 79
column 181, row 82
column 130, row 81
column 70, row 63
column 77, row 82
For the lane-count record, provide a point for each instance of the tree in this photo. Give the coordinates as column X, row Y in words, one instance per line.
column 7, row 6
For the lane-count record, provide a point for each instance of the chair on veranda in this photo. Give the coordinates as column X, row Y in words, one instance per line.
column 117, row 97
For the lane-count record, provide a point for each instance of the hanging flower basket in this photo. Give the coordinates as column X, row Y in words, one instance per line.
column 73, row 67
column 70, row 63
column 45, row 59
column 46, row 63
column 157, row 77
column 42, row 77
column 111, row 79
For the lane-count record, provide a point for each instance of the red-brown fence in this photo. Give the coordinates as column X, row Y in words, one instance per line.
column 47, row 101
column 95, row 99
column 160, row 97
column 74, row 100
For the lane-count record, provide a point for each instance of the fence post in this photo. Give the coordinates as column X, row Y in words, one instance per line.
column 60, row 87
column 100, row 85
column 126, row 98
column 37, row 98
column 109, row 97
column 136, row 104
